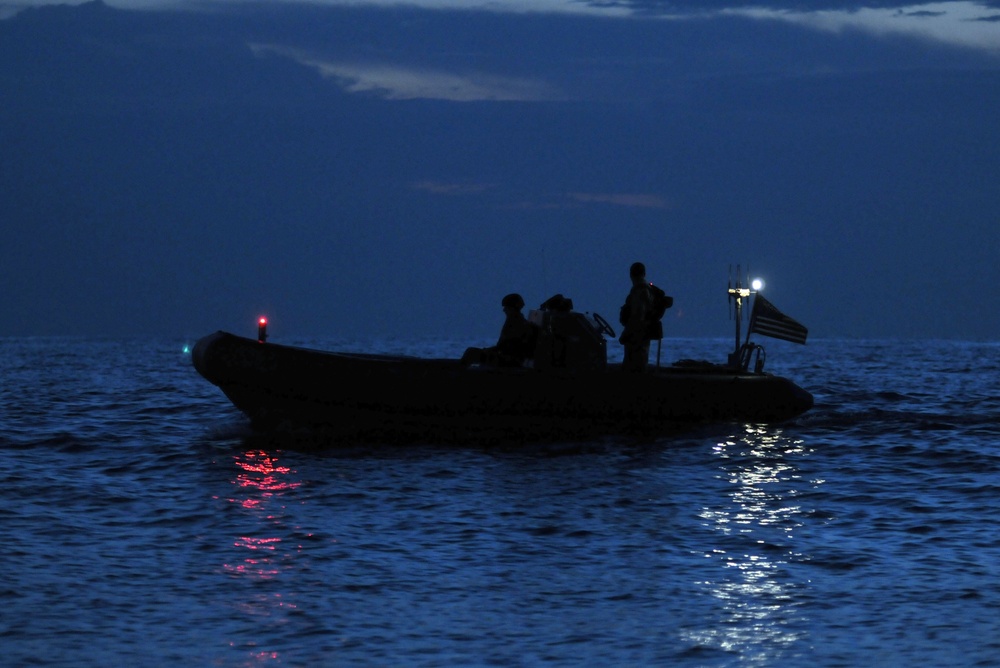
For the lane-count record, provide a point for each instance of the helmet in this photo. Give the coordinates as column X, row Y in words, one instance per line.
column 513, row 300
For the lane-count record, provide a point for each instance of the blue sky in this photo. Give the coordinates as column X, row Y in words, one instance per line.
column 375, row 169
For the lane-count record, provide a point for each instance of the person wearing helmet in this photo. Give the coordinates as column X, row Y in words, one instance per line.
column 517, row 338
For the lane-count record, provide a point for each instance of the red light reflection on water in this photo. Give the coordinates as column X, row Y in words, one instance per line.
column 259, row 658
column 261, row 565
column 261, row 552
column 262, row 481
column 262, row 474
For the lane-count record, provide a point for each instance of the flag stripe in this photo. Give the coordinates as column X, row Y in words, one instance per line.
column 769, row 321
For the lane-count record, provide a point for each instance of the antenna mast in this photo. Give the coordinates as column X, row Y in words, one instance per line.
column 736, row 296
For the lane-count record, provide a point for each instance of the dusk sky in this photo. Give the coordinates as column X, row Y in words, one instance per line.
column 380, row 169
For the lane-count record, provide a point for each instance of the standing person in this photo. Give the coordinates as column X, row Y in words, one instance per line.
column 634, row 317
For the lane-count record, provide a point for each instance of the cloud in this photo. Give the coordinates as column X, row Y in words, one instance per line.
column 576, row 200
column 964, row 24
column 567, row 200
column 506, row 6
column 638, row 200
column 574, row 7
column 398, row 82
column 450, row 188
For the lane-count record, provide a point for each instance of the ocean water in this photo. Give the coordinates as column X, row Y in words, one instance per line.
column 142, row 524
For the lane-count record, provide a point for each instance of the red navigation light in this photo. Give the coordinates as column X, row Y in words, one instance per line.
column 262, row 329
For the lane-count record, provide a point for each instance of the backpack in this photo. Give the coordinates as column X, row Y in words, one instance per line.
column 661, row 301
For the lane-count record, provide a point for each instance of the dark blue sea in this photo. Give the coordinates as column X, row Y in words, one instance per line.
column 142, row 524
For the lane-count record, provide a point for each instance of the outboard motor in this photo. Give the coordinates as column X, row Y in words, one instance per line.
column 569, row 340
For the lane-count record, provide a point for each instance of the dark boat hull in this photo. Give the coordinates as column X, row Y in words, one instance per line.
column 393, row 398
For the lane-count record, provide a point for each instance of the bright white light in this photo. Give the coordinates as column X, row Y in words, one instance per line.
column 757, row 284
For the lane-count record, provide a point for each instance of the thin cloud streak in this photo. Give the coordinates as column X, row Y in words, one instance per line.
column 504, row 6
column 569, row 7
column 637, row 200
column 450, row 188
column 396, row 82
column 570, row 200
column 582, row 200
column 964, row 24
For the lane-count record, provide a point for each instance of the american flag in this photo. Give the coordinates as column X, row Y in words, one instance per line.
column 769, row 321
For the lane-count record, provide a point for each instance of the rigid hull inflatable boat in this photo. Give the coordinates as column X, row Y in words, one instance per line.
column 567, row 391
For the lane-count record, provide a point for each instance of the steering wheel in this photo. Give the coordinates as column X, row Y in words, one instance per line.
column 605, row 327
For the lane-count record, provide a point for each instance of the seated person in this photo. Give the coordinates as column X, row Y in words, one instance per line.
column 517, row 338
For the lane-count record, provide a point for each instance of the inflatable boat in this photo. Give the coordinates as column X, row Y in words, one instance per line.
column 568, row 390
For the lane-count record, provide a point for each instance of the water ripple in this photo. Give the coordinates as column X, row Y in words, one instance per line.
column 149, row 526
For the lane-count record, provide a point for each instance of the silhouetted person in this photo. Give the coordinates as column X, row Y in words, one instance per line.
column 634, row 317
column 517, row 338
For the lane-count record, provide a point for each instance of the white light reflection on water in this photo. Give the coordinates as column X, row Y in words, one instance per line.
column 758, row 619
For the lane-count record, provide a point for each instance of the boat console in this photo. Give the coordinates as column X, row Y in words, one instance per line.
column 570, row 340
